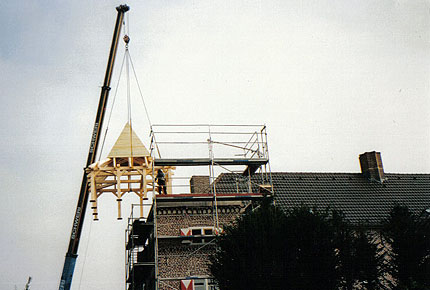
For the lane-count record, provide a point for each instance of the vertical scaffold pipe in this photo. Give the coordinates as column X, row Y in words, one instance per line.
column 78, row 220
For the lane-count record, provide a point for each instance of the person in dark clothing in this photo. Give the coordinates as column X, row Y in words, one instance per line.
column 161, row 181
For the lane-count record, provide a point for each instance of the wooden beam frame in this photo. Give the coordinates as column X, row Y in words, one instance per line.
column 112, row 176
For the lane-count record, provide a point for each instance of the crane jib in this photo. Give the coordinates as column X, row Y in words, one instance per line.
column 94, row 137
column 71, row 255
column 75, row 223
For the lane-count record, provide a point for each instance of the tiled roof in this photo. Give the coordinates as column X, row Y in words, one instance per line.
column 361, row 200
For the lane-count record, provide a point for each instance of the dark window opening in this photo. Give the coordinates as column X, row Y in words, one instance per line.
column 196, row 232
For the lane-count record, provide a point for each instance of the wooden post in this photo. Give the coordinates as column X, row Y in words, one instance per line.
column 119, row 209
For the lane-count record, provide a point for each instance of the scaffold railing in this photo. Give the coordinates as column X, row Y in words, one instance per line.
column 237, row 150
column 214, row 165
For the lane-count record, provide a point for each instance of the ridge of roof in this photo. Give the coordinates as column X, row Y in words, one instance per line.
column 346, row 173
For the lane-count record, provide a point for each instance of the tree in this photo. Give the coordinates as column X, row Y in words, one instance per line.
column 358, row 259
column 409, row 256
column 252, row 253
column 368, row 261
column 298, row 250
column 311, row 255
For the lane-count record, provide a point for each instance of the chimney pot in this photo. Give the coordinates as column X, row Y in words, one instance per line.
column 199, row 184
column 371, row 166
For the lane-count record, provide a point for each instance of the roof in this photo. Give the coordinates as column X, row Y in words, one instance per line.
column 361, row 200
column 128, row 145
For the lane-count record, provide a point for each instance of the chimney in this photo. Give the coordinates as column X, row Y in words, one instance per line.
column 371, row 166
column 199, row 184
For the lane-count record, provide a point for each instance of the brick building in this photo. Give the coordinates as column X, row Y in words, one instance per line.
column 169, row 246
column 183, row 236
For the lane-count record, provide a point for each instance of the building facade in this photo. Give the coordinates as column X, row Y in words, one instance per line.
column 171, row 248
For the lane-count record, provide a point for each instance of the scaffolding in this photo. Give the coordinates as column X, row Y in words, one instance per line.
column 140, row 257
column 237, row 160
column 236, row 149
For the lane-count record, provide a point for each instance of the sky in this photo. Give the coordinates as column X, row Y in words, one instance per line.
column 330, row 79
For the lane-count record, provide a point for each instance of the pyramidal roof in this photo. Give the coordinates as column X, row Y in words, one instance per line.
column 128, row 146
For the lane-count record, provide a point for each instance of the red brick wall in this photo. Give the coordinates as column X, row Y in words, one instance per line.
column 199, row 184
column 172, row 220
column 180, row 260
column 177, row 260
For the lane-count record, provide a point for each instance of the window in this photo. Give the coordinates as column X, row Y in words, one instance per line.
column 198, row 235
column 200, row 284
column 196, row 232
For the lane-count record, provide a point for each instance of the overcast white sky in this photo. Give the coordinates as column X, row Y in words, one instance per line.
column 330, row 79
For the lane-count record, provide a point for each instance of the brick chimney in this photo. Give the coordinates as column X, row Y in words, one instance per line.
column 371, row 166
column 199, row 184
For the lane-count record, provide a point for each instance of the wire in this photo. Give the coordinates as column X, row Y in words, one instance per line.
column 140, row 91
column 128, row 23
column 127, row 60
column 127, row 72
column 127, row 65
column 85, row 255
column 111, row 109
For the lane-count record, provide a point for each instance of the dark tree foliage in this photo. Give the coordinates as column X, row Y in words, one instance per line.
column 301, row 250
column 368, row 261
column 344, row 244
column 252, row 254
column 409, row 258
column 358, row 260
column 311, row 251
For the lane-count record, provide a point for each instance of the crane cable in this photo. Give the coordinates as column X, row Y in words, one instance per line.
column 127, row 71
column 85, row 254
column 127, row 60
column 134, row 73
column 111, row 109
column 140, row 91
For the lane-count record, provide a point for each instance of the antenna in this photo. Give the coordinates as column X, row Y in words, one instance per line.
column 27, row 286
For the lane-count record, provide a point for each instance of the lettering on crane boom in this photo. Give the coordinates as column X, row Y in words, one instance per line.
column 76, row 222
column 93, row 138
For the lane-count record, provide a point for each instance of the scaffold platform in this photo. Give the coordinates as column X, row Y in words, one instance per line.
column 252, row 163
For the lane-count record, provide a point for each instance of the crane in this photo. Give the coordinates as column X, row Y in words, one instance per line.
column 78, row 220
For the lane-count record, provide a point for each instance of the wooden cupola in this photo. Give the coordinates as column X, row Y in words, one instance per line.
column 128, row 168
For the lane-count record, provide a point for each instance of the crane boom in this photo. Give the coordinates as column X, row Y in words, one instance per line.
column 78, row 220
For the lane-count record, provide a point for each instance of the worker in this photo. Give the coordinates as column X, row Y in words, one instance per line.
column 161, row 181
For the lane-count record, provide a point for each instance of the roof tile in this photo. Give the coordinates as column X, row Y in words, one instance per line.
column 359, row 198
